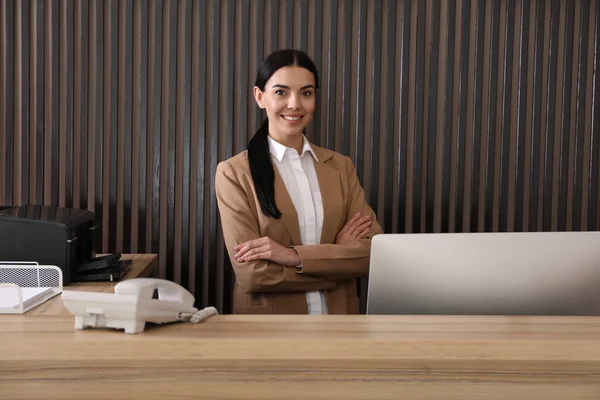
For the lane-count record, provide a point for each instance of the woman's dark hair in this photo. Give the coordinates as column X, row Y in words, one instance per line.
column 259, row 157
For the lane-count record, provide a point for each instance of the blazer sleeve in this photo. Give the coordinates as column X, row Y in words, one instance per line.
column 240, row 225
column 349, row 259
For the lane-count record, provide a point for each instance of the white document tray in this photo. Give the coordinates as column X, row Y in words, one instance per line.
column 24, row 286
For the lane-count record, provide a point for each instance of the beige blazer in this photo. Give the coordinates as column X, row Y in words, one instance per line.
column 264, row 287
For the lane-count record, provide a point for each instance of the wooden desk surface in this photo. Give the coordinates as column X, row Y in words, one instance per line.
column 305, row 357
column 142, row 266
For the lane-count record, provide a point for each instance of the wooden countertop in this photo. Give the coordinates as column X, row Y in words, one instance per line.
column 143, row 265
column 305, row 357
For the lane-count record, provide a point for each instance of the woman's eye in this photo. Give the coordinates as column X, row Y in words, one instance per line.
column 279, row 92
column 308, row 93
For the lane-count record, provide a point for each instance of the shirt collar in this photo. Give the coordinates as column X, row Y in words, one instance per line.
column 278, row 150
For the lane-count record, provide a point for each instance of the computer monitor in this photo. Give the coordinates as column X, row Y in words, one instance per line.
column 534, row 273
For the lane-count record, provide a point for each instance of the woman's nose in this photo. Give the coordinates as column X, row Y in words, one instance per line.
column 293, row 102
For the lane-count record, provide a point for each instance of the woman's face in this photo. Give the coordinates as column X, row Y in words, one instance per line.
column 289, row 99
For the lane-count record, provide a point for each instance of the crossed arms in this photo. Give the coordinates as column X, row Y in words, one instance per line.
column 261, row 264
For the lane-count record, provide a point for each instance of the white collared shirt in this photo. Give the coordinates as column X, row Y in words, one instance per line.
column 300, row 179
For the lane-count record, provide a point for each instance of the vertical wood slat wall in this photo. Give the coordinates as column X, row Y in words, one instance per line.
column 460, row 115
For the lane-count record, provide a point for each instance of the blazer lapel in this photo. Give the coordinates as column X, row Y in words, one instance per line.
column 331, row 193
column 289, row 216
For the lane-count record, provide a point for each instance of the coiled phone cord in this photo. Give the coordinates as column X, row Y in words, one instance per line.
column 199, row 315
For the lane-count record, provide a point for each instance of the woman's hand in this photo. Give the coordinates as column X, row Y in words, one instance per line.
column 266, row 248
column 355, row 229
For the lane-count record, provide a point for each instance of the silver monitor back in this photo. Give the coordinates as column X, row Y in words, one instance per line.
column 533, row 273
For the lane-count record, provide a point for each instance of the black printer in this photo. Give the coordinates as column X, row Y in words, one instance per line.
column 51, row 236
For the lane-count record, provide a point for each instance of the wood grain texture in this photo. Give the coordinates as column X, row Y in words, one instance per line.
column 143, row 265
column 321, row 357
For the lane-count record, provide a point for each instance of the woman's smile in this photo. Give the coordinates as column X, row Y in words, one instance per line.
column 293, row 119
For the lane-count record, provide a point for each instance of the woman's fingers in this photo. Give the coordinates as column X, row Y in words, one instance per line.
column 253, row 254
column 360, row 233
column 364, row 232
column 243, row 248
column 353, row 228
column 350, row 224
column 360, row 225
column 257, row 256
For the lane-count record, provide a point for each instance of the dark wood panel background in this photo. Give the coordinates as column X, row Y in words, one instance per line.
column 460, row 115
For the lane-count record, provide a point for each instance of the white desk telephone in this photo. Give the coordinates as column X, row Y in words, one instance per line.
column 132, row 305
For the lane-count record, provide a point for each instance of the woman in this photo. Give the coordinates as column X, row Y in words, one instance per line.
column 295, row 221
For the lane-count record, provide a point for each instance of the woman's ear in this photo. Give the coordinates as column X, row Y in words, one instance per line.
column 258, row 96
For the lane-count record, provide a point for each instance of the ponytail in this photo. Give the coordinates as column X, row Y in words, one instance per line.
column 259, row 156
column 262, row 170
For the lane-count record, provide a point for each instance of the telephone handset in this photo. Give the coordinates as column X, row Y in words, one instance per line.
column 146, row 287
column 133, row 304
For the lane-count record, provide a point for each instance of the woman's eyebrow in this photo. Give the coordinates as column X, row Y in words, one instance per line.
column 287, row 87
